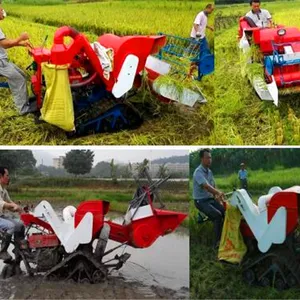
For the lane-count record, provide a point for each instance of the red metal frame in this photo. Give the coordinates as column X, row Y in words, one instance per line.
column 139, row 233
column 264, row 39
column 144, row 232
column 140, row 46
column 98, row 208
column 289, row 200
column 29, row 219
column 43, row 240
column 80, row 54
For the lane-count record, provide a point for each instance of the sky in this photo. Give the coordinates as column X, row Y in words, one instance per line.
column 120, row 155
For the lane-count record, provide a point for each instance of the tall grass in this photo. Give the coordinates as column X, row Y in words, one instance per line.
column 261, row 181
column 123, row 18
column 34, row 2
column 76, row 194
column 90, row 183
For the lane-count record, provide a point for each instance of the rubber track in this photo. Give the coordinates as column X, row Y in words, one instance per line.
column 283, row 256
column 98, row 266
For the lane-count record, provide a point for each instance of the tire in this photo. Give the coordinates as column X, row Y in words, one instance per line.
column 279, row 284
column 265, row 282
column 249, row 276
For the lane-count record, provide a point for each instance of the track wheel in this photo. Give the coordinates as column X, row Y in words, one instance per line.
column 133, row 117
column 8, row 271
column 98, row 276
column 71, row 281
column 71, row 134
column 17, row 270
column 83, row 273
column 279, row 284
column 84, row 281
column 265, row 281
column 105, row 126
column 249, row 276
column 291, row 280
column 53, row 277
column 120, row 125
column 4, row 272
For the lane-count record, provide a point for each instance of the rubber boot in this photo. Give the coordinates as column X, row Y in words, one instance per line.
column 4, row 255
column 18, row 238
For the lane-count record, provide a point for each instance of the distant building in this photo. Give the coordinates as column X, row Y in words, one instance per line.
column 58, row 162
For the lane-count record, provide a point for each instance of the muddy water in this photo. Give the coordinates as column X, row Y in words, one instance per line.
column 160, row 271
column 165, row 263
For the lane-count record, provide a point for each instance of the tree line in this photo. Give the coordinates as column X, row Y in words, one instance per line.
column 227, row 161
column 22, row 161
column 77, row 162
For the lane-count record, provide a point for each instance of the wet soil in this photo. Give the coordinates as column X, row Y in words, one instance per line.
column 24, row 287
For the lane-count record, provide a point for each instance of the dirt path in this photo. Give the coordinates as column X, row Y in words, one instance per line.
column 24, row 287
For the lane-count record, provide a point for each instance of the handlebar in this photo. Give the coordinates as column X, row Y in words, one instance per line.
column 229, row 194
column 24, row 209
column 30, row 48
column 226, row 196
column 29, row 45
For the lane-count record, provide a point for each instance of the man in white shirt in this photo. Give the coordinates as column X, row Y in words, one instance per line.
column 200, row 24
column 8, row 225
column 261, row 17
column 198, row 34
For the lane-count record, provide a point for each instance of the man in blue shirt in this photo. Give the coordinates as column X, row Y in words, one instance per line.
column 207, row 197
column 243, row 177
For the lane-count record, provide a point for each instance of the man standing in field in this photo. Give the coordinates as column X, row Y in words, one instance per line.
column 261, row 17
column 198, row 33
column 243, row 174
column 8, row 225
column 15, row 76
column 200, row 25
column 207, row 198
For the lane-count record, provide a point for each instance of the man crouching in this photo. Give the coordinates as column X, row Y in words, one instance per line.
column 16, row 78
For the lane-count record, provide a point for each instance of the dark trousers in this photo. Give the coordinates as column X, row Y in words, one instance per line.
column 244, row 184
column 215, row 212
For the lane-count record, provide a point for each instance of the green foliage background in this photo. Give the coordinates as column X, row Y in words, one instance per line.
column 79, row 161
